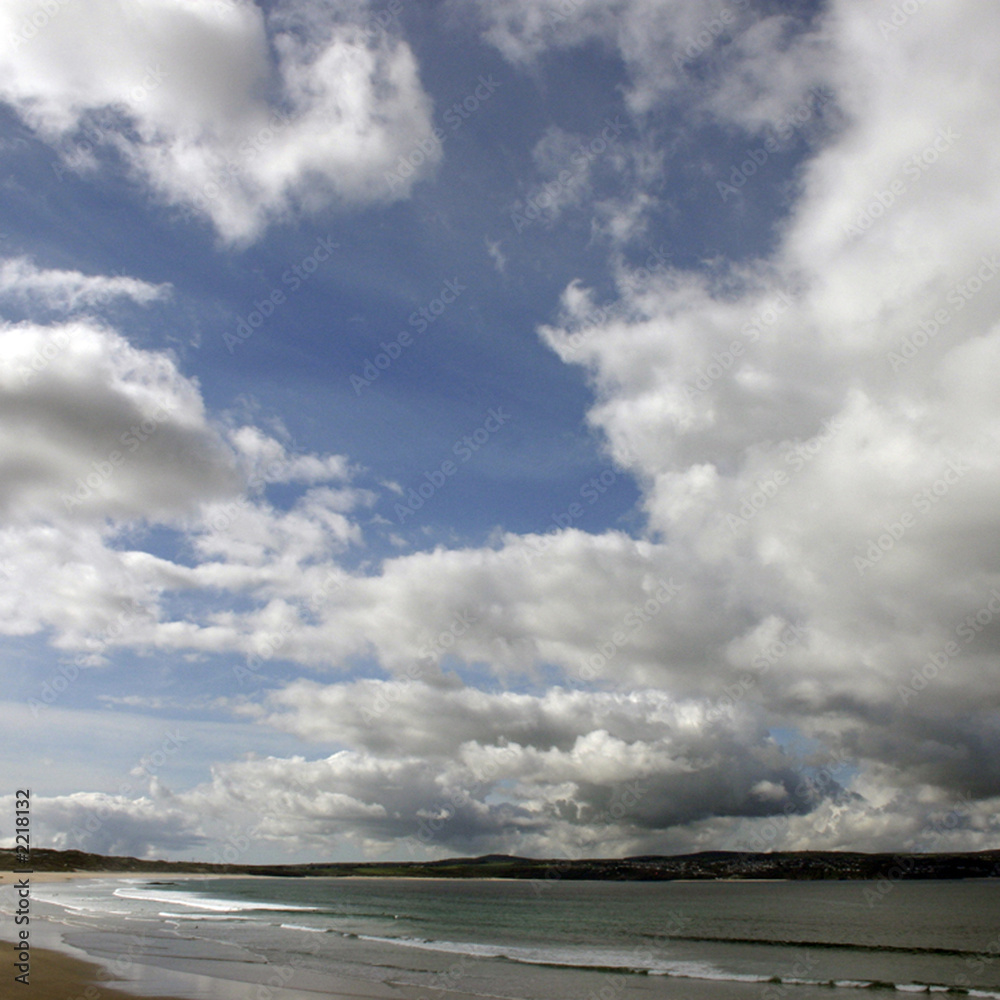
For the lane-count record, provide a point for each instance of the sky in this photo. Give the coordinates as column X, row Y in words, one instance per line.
column 441, row 428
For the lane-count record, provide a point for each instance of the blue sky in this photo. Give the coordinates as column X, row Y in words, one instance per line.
column 631, row 276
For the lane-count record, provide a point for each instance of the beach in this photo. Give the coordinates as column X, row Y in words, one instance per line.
column 61, row 970
column 57, row 973
column 202, row 937
column 54, row 974
column 58, row 970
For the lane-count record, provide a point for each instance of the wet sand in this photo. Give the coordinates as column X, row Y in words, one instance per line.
column 58, row 975
column 55, row 976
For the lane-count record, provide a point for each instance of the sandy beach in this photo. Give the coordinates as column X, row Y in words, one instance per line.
column 41, row 878
column 142, row 936
column 60, row 971
column 56, row 974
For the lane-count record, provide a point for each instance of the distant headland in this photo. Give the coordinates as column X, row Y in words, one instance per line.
column 706, row 865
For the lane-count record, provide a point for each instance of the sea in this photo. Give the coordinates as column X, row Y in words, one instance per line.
column 547, row 939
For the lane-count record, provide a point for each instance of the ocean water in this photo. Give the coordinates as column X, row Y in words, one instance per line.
column 546, row 939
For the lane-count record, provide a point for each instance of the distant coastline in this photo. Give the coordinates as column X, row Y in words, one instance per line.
column 707, row 865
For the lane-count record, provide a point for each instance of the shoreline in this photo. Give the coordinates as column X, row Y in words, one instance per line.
column 62, row 970
column 82, row 948
column 42, row 877
column 46, row 878
column 56, row 973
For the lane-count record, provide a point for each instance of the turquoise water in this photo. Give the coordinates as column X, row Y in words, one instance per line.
column 779, row 939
